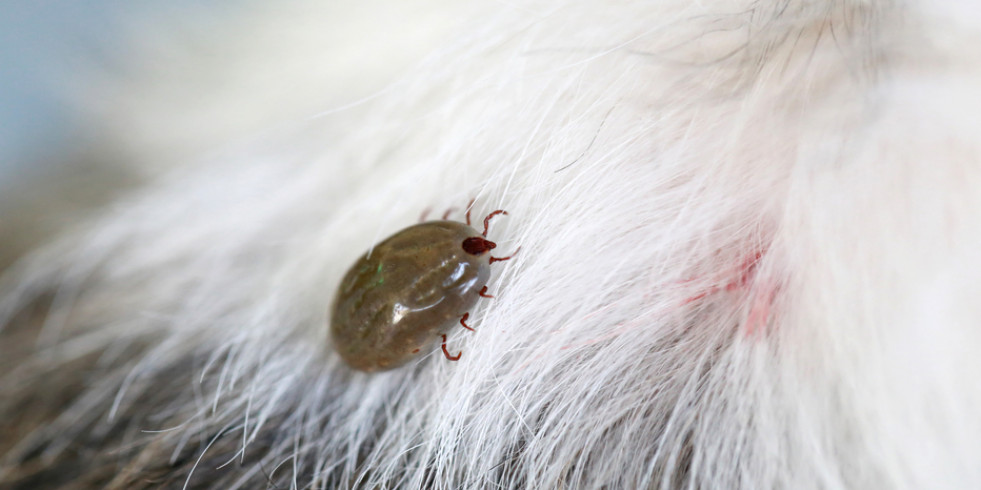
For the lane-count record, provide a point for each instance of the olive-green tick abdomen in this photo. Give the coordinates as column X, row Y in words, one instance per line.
column 412, row 286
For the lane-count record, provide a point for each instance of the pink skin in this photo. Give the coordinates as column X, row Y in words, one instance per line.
column 763, row 294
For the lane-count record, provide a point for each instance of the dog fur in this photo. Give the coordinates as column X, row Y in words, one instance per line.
column 749, row 252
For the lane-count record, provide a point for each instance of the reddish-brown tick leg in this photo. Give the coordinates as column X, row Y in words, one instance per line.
column 447, row 353
column 483, row 293
column 469, row 207
column 501, row 259
column 424, row 215
column 488, row 218
column 446, row 215
column 464, row 320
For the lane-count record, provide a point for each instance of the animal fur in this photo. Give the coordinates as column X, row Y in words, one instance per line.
column 749, row 253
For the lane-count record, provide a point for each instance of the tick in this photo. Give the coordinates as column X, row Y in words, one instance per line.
column 408, row 290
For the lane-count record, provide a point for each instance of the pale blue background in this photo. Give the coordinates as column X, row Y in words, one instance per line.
column 38, row 40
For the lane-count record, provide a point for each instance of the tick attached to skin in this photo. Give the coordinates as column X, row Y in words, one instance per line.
column 409, row 290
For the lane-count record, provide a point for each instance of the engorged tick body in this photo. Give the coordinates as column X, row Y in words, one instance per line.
column 407, row 291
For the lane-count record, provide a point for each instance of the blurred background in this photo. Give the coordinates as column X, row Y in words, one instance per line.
column 50, row 50
column 97, row 96
column 42, row 44
column 36, row 40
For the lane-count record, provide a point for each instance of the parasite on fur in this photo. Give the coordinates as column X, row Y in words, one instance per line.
column 404, row 294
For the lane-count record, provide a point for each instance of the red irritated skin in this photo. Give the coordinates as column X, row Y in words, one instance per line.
column 408, row 291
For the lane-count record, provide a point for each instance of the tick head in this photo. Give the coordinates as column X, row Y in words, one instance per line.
column 476, row 245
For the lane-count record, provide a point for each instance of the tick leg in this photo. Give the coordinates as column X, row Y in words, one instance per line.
column 488, row 218
column 483, row 292
column 501, row 259
column 424, row 215
column 447, row 353
column 446, row 215
column 464, row 320
column 469, row 207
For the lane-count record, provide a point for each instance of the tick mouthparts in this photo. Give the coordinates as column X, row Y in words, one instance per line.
column 476, row 245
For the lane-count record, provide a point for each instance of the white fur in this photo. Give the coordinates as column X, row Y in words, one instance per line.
column 645, row 153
